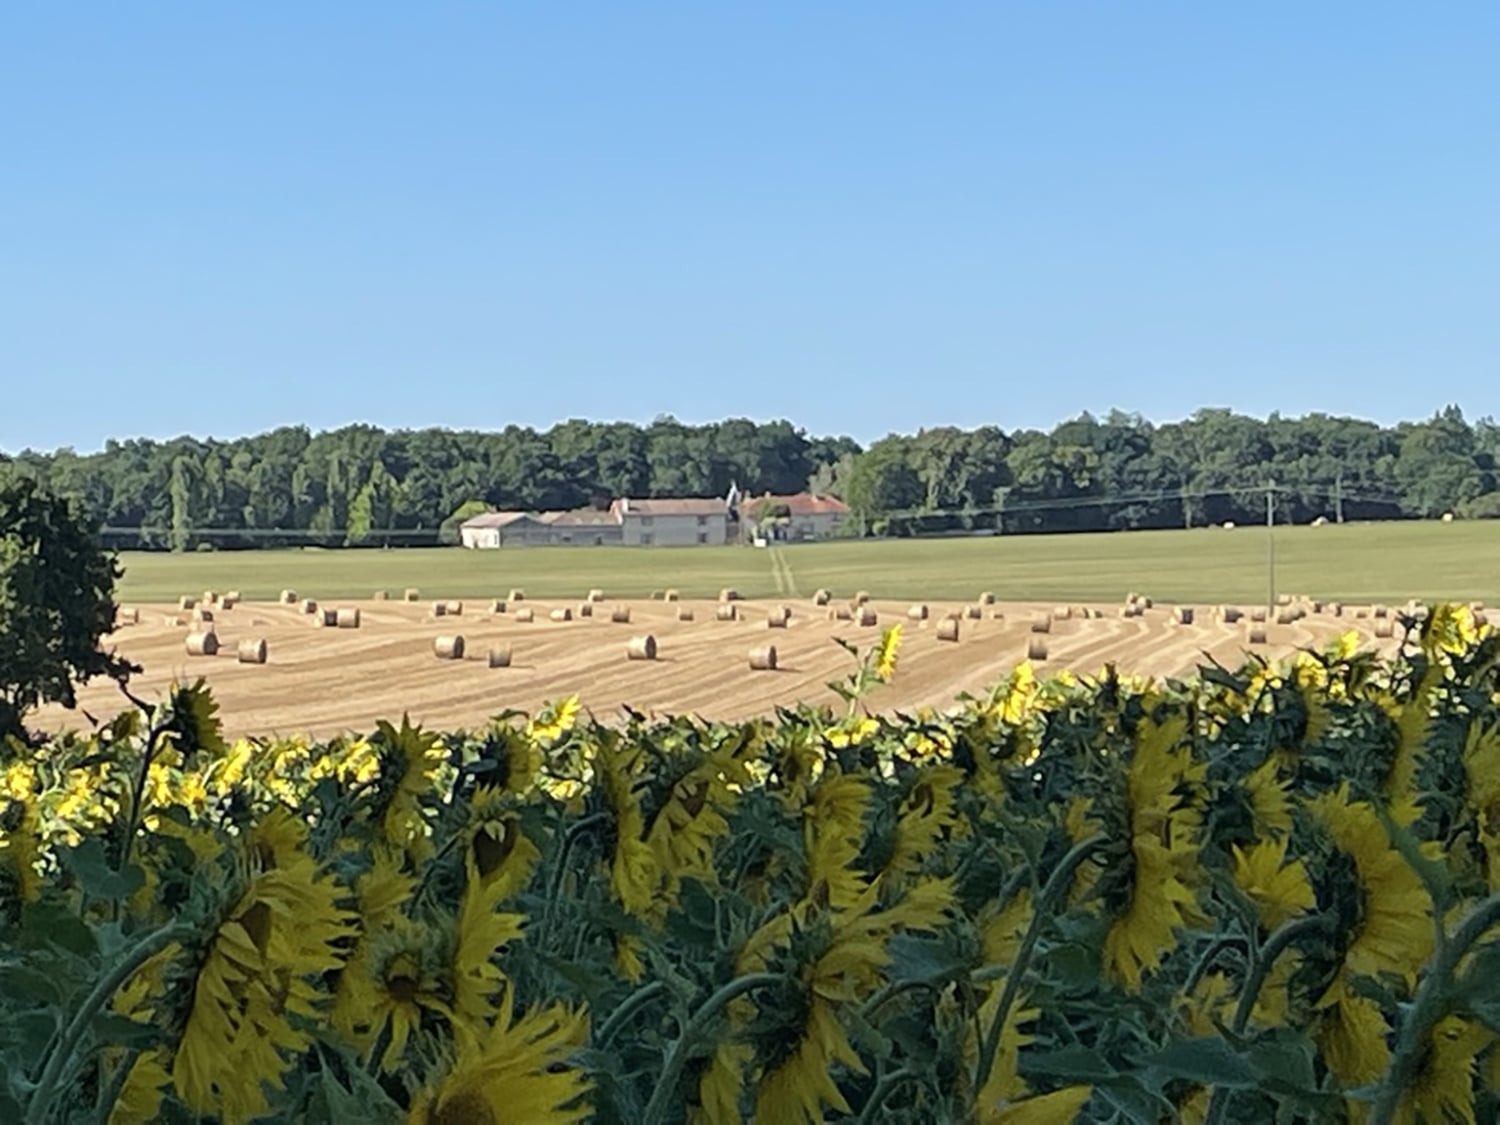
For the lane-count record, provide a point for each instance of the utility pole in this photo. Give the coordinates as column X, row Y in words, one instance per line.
column 1338, row 496
column 1271, row 550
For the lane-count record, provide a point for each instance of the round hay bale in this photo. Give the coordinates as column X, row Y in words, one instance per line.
column 1447, row 517
column 822, row 597
column 309, row 606
column 917, row 612
column 684, row 614
column 1361, row 612
column 670, row 596
column 1286, row 616
column 230, row 600
column 1284, row 599
column 595, row 595
column 564, row 614
column 1380, row 612
column 499, row 656
column 525, row 616
column 641, row 648
column 209, row 597
column 1062, row 613
column 205, row 643
column 947, row 629
column 620, row 615
column 1041, row 623
column 127, row 617
column 729, row 595
column 763, row 658
column 1335, row 609
column 1183, row 615
column 1256, row 635
column 973, row 612
column 1230, row 615
column 187, row 601
column 455, row 608
column 585, row 609
column 498, row 606
column 860, row 598
column 288, row 597
column 382, row 596
column 176, row 622
column 517, row 596
column 987, row 598
column 202, row 613
column 841, row 613
column 448, row 647
column 778, row 617
column 1477, row 607
column 727, row 612
column 1481, row 619
column 251, row 651
column 1315, row 606
column 1036, row 649
column 1145, row 603
column 347, row 618
column 868, row 616
column 440, row 609
column 1258, row 615
column 1383, row 627
column 327, row 618
column 411, row 594
column 656, row 595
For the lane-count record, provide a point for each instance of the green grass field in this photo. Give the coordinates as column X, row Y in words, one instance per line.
column 1356, row 562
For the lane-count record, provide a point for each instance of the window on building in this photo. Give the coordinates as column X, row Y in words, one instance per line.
column 645, row 539
column 703, row 537
column 646, row 521
column 702, row 521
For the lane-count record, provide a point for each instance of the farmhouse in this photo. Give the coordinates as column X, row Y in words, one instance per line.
column 806, row 515
column 673, row 523
column 634, row 523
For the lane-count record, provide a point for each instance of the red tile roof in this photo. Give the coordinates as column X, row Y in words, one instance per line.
column 804, row 504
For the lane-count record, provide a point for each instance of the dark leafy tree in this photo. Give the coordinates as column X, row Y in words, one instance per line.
column 56, row 602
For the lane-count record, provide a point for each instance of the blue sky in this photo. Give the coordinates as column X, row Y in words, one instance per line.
column 863, row 216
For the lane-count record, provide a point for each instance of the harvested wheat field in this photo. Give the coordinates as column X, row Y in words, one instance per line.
column 323, row 679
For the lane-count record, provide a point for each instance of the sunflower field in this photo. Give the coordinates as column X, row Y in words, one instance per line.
column 1269, row 894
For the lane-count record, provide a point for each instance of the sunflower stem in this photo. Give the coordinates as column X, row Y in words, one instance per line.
column 41, row 1099
column 692, row 1036
column 570, row 837
column 888, row 993
column 1433, row 999
column 627, row 1008
column 883, row 1090
column 109, row 1095
column 1057, row 884
column 1261, row 963
column 1219, row 944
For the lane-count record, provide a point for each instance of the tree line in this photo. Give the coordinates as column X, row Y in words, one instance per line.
column 361, row 485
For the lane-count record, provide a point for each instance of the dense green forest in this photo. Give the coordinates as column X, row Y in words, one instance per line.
column 363, row 485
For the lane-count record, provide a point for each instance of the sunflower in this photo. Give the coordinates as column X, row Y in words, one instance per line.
column 1352, row 1031
column 141, row 1095
column 1451, row 630
column 1270, row 803
column 1005, row 1096
column 687, row 828
column 482, row 932
column 849, row 957
column 554, row 721
column 1280, row 890
column 499, row 854
column 1394, row 932
column 404, row 981
column 634, row 874
column 1002, row 929
column 928, row 812
column 279, row 838
column 855, row 732
column 1165, row 853
column 517, row 1070
column 834, row 832
column 410, row 759
column 1482, row 765
column 258, row 977
column 381, row 894
column 886, row 653
column 20, row 850
column 1443, row 1089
